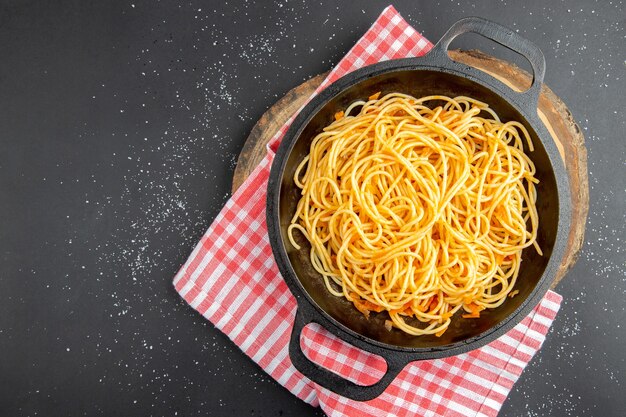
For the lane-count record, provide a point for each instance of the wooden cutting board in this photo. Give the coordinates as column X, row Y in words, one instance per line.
column 552, row 111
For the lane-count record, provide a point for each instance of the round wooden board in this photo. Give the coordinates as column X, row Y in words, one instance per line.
column 552, row 111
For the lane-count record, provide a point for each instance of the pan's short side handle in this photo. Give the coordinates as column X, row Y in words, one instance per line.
column 332, row 381
column 505, row 37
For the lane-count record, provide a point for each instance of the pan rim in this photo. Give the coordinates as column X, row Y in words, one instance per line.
column 519, row 102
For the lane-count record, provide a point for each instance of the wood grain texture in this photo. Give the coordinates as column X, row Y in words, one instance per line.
column 552, row 111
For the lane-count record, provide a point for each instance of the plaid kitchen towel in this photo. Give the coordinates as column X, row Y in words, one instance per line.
column 232, row 280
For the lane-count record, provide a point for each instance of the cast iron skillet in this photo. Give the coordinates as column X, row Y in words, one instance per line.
column 434, row 73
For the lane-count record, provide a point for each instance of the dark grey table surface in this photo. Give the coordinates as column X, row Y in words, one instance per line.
column 120, row 126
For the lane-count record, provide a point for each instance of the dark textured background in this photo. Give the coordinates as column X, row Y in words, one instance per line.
column 120, row 125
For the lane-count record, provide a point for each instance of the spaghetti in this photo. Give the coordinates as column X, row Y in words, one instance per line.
column 418, row 207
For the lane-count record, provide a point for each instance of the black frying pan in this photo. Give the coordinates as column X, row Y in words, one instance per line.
column 434, row 73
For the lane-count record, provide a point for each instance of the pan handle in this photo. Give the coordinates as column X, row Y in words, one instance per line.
column 334, row 382
column 505, row 37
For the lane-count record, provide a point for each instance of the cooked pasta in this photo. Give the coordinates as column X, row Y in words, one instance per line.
column 418, row 208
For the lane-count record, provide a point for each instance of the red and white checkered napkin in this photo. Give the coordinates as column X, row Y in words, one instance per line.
column 232, row 280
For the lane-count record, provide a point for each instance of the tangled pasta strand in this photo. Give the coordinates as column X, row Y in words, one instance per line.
column 418, row 207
